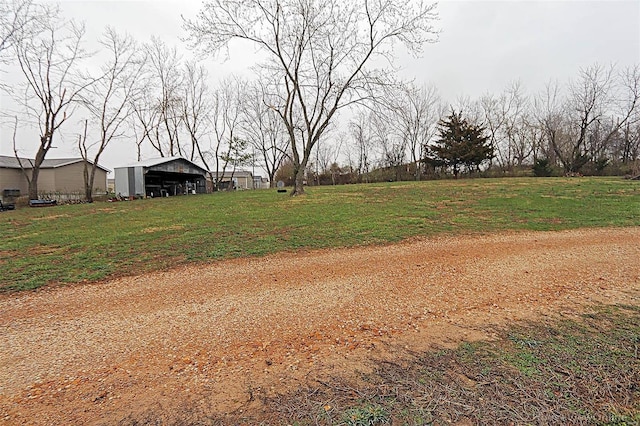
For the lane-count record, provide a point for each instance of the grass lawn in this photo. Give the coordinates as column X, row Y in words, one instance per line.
column 91, row 242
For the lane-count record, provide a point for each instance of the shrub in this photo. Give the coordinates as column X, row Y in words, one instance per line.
column 541, row 168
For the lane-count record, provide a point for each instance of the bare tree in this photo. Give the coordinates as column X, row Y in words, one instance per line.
column 109, row 99
column 502, row 116
column 552, row 118
column 226, row 119
column 629, row 146
column 320, row 51
column 196, row 107
column 146, row 117
column 624, row 113
column 21, row 19
column 494, row 111
column 417, row 112
column 588, row 101
column 525, row 139
column 166, row 63
column 392, row 145
column 626, row 146
column 363, row 143
column 520, row 130
column 48, row 63
column 471, row 108
column 327, row 154
column 265, row 131
column 580, row 127
column 159, row 112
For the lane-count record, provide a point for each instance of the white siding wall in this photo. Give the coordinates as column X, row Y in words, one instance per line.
column 122, row 181
column 129, row 181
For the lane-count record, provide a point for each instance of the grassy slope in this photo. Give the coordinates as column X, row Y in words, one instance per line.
column 93, row 242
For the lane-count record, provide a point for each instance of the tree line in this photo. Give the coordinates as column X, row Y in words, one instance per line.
column 587, row 125
column 325, row 62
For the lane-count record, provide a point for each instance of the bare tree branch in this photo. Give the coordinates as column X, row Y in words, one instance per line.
column 109, row 100
column 52, row 86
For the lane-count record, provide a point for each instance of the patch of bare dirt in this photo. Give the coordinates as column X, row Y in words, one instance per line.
column 213, row 336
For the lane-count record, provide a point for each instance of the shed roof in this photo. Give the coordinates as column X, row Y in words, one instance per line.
column 150, row 162
column 236, row 173
column 153, row 162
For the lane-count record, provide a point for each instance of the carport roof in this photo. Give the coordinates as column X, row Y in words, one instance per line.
column 152, row 162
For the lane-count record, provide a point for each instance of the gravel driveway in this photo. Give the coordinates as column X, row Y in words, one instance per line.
column 216, row 334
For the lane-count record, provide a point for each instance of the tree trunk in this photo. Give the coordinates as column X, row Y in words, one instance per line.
column 416, row 164
column 33, row 184
column 35, row 172
column 298, row 181
column 89, row 186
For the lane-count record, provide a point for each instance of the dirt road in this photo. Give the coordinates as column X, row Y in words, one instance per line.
column 212, row 336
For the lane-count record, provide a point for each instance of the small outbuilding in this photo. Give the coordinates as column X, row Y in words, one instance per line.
column 58, row 177
column 236, row 180
column 160, row 177
column 260, row 182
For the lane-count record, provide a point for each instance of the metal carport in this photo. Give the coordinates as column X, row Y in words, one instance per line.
column 158, row 177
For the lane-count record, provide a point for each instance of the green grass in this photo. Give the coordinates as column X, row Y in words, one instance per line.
column 78, row 243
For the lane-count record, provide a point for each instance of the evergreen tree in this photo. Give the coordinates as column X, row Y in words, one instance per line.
column 461, row 144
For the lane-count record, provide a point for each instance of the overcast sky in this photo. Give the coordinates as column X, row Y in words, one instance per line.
column 484, row 45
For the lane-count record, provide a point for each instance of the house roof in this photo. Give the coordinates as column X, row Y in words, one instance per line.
column 48, row 163
column 237, row 173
